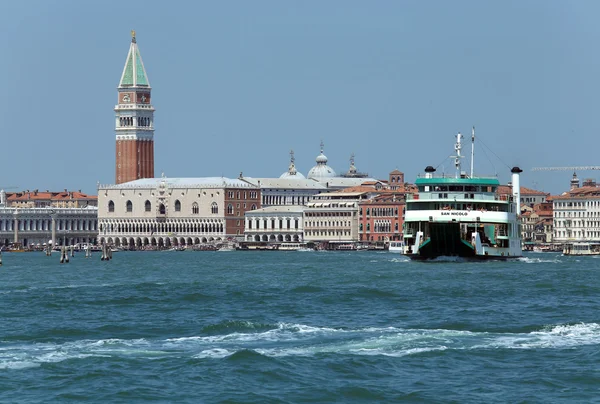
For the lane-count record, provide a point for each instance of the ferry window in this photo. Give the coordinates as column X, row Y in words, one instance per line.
column 443, row 188
column 456, row 188
column 470, row 188
column 421, row 188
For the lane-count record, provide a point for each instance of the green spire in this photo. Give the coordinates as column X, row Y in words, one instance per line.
column 134, row 74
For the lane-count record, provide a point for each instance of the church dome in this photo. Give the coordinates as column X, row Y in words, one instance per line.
column 288, row 175
column 321, row 170
column 292, row 173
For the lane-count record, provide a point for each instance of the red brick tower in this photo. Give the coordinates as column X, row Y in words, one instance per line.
column 134, row 121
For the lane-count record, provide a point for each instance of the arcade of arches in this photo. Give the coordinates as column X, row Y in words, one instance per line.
column 147, row 232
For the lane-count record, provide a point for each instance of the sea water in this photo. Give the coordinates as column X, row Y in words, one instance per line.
column 296, row 327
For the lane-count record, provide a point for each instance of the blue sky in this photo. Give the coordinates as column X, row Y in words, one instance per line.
column 237, row 84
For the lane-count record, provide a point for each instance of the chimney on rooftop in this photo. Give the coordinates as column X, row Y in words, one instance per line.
column 589, row 182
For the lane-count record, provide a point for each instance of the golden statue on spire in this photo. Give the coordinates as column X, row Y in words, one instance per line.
column 133, row 36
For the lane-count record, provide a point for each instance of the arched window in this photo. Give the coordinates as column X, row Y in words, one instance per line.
column 162, row 210
column 129, row 206
column 148, row 206
column 253, row 207
column 214, row 208
column 195, row 208
column 111, row 206
column 230, row 209
column 177, row 206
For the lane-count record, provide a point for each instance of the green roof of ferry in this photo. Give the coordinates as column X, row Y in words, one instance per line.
column 464, row 181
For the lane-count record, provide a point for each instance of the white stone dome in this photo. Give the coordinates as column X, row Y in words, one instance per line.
column 321, row 170
column 297, row 175
column 292, row 173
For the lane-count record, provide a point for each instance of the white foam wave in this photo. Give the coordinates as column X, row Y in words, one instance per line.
column 530, row 260
column 303, row 340
column 214, row 353
column 18, row 365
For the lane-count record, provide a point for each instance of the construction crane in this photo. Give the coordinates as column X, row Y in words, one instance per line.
column 574, row 168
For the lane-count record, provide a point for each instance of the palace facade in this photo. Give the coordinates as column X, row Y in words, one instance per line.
column 163, row 212
column 32, row 219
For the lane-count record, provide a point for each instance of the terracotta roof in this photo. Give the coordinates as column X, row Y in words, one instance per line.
column 47, row 195
column 359, row 188
column 507, row 189
column 580, row 193
column 395, row 172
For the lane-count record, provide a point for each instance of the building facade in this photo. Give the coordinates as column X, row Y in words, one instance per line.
column 134, row 124
column 332, row 218
column 275, row 224
column 163, row 212
column 381, row 218
column 32, row 218
column 577, row 215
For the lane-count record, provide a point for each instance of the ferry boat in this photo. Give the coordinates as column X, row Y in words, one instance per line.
column 582, row 248
column 292, row 247
column 396, row 246
column 462, row 215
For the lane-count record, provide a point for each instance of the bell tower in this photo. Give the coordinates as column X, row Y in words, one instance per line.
column 134, row 124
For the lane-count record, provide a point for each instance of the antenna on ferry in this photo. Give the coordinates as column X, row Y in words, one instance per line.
column 457, row 148
column 472, row 149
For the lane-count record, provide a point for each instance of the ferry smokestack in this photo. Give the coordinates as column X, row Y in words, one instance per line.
column 429, row 170
column 516, row 187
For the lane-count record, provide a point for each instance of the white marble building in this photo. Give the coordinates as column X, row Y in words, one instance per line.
column 161, row 212
column 333, row 218
column 275, row 224
column 577, row 215
column 33, row 227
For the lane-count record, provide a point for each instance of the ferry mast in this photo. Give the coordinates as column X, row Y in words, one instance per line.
column 472, row 149
column 457, row 149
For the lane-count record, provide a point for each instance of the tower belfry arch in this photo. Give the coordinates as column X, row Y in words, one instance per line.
column 134, row 125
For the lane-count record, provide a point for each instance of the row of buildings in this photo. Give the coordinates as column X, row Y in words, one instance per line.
column 141, row 211
column 164, row 212
column 34, row 218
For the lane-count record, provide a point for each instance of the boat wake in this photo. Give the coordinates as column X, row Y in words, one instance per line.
column 289, row 340
column 529, row 260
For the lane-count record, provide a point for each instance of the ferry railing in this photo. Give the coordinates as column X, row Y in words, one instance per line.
column 460, row 196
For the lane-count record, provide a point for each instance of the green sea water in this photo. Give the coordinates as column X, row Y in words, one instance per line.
column 298, row 327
